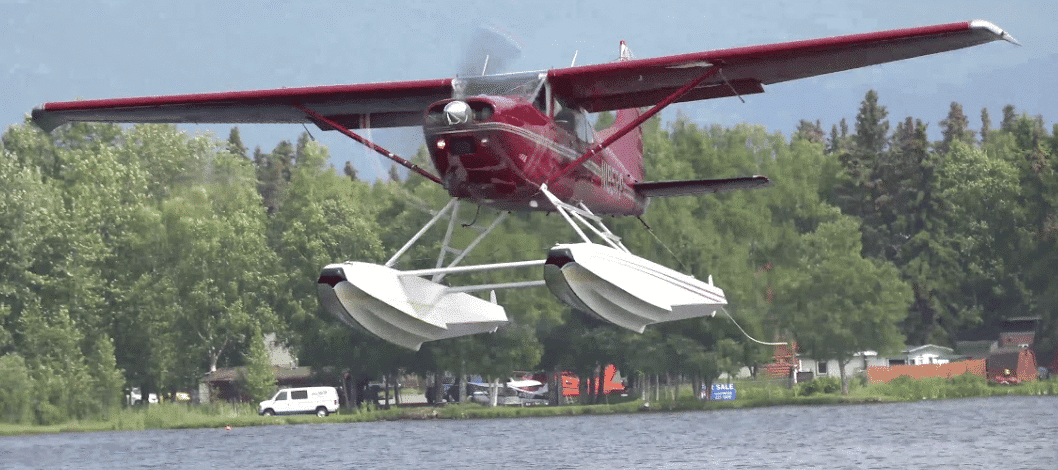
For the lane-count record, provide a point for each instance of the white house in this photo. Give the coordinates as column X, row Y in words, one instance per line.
column 925, row 354
column 915, row 355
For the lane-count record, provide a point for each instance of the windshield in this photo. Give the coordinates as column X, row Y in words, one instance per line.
column 522, row 84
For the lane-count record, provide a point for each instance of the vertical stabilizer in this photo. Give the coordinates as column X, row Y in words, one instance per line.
column 628, row 149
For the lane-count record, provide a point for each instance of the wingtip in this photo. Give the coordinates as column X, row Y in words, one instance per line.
column 45, row 120
column 999, row 32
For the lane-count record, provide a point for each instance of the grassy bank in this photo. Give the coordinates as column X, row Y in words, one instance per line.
column 751, row 394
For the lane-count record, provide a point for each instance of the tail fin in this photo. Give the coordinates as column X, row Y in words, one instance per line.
column 628, row 149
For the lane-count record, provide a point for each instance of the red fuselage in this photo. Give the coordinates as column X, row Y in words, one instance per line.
column 508, row 146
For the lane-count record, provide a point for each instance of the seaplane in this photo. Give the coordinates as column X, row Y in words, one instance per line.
column 523, row 142
column 516, row 391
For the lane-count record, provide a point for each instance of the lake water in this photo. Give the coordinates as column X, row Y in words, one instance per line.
column 1007, row 432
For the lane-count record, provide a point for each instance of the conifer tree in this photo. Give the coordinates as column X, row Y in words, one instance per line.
column 855, row 196
column 832, row 142
column 1010, row 117
column 955, row 127
column 273, row 174
column 810, row 131
column 872, row 127
column 986, row 125
column 235, row 145
column 300, row 148
column 350, row 171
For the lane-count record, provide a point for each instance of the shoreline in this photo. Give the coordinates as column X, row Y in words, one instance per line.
column 180, row 416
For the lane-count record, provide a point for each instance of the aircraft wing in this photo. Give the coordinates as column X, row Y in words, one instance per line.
column 521, row 384
column 391, row 104
column 645, row 82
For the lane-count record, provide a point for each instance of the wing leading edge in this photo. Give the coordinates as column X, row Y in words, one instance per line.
column 619, row 85
column 744, row 70
column 392, row 104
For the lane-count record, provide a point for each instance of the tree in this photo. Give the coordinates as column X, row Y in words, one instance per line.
column 986, row 126
column 955, row 127
column 221, row 271
column 394, row 173
column 872, row 128
column 856, row 192
column 107, row 381
column 235, row 145
column 512, row 347
column 978, row 237
column 350, row 171
column 274, row 173
column 1010, row 116
column 838, row 303
column 61, row 380
column 16, row 389
column 258, row 380
column 810, row 131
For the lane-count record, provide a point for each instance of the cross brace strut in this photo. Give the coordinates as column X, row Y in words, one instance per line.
column 713, row 69
column 371, row 145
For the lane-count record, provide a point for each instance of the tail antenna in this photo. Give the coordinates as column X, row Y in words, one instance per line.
column 626, row 53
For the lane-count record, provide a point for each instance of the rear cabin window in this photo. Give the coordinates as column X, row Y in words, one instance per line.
column 299, row 395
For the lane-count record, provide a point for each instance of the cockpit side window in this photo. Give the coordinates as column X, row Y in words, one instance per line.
column 574, row 121
column 564, row 117
column 584, row 131
column 540, row 102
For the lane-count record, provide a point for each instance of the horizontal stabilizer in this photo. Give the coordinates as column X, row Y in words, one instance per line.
column 688, row 187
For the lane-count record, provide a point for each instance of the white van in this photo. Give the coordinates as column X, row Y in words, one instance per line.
column 319, row 400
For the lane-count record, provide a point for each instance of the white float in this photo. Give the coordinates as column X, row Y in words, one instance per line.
column 624, row 289
column 401, row 308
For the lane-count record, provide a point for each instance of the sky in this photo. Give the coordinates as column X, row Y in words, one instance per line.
column 59, row 50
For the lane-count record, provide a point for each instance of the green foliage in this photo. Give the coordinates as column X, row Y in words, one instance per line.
column 818, row 385
column 107, row 381
column 962, row 386
column 258, row 380
column 145, row 256
column 906, row 388
column 837, row 303
column 967, row 385
column 16, row 389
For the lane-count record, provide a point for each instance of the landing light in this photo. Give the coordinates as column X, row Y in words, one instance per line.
column 440, row 144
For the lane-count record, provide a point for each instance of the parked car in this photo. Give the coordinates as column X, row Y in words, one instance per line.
column 135, row 397
column 319, row 400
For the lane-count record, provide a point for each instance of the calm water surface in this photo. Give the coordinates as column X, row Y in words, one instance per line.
column 1009, row 432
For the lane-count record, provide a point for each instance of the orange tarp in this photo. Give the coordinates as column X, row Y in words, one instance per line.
column 882, row 374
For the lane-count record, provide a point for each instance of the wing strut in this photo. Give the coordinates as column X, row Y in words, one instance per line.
column 713, row 69
column 371, row 145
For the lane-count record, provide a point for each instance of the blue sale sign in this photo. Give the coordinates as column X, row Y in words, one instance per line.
column 723, row 392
